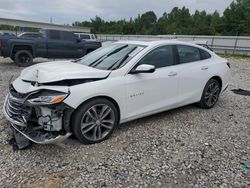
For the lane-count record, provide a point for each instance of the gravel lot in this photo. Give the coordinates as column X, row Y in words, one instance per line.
column 186, row 147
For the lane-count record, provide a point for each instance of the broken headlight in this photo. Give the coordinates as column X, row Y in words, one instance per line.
column 47, row 98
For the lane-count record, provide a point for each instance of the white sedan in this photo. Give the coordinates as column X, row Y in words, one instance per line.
column 117, row 83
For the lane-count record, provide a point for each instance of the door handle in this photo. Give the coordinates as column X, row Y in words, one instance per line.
column 172, row 74
column 204, row 68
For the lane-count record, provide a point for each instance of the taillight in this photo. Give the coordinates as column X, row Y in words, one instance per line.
column 228, row 64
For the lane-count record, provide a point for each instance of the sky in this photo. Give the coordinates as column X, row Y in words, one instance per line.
column 69, row 11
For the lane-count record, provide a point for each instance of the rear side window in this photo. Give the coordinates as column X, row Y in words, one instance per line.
column 159, row 57
column 84, row 36
column 188, row 54
column 68, row 36
column 55, row 35
column 204, row 54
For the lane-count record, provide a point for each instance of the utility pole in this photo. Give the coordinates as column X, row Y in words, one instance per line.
column 51, row 20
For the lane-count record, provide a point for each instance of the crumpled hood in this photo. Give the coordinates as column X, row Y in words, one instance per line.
column 60, row 70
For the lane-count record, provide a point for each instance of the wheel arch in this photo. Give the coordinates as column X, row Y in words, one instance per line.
column 201, row 102
column 18, row 47
column 103, row 97
column 218, row 78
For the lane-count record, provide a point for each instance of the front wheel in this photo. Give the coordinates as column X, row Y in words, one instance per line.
column 94, row 121
column 210, row 94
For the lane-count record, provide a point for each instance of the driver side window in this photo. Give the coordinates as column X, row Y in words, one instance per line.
column 159, row 57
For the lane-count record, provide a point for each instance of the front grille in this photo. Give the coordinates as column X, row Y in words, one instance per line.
column 15, row 107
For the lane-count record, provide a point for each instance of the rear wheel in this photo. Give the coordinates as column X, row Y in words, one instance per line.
column 23, row 58
column 210, row 94
column 94, row 121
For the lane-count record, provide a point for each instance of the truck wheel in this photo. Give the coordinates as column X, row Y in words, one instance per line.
column 23, row 58
column 89, row 50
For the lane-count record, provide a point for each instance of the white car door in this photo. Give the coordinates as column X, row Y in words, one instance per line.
column 193, row 71
column 147, row 93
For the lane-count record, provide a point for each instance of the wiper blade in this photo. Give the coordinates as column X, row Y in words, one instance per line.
column 117, row 50
column 94, row 64
column 121, row 61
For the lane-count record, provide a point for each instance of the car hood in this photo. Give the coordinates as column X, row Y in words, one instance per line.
column 60, row 70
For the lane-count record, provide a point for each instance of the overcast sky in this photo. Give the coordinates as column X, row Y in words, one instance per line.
column 68, row 11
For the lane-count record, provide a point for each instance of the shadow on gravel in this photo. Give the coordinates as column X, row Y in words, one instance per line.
column 159, row 116
column 241, row 92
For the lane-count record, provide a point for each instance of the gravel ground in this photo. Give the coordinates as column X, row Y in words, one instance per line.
column 186, row 147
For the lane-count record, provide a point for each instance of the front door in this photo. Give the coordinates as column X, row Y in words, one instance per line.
column 152, row 92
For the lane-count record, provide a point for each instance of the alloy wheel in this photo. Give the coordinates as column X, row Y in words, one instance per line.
column 97, row 122
column 212, row 94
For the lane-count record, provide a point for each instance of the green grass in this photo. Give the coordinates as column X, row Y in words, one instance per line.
column 237, row 56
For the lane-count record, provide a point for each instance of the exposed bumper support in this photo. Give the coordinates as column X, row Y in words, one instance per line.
column 36, row 139
column 57, row 139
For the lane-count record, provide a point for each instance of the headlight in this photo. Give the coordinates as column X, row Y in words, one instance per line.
column 46, row 98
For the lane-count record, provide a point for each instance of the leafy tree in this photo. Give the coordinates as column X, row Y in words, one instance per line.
column 147, row 21
column 234, row 21
column 236, row 18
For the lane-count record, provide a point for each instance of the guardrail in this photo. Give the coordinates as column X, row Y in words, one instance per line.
column 222, row 44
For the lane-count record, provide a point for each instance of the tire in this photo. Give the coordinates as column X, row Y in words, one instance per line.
column 89, row 51
column 23, row 58
column 13, row 59
column 210, row 94
column 90, row 127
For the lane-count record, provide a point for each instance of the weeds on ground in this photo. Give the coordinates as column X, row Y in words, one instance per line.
column 236, row 56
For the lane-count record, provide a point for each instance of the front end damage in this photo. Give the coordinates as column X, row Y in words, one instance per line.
column 34, row 117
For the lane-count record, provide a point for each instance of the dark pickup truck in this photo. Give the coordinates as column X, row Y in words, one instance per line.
column 51, row 44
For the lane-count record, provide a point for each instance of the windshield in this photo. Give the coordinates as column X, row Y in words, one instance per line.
column 111, row 56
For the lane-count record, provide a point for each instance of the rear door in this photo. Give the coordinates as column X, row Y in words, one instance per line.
column 63, row 44
column 193, row 70
column 74, row 48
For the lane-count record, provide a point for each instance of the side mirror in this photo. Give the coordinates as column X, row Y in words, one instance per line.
column 144, row 68
column 78, row 40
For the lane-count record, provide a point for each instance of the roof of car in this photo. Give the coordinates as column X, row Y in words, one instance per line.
column 203, row 42
column 155, row 43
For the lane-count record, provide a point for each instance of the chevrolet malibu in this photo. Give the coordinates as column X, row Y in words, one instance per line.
column 117, row 83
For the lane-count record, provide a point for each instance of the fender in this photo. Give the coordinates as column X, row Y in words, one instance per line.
column 17, row 44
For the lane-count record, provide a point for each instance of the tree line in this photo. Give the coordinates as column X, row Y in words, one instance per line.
column 234, row 21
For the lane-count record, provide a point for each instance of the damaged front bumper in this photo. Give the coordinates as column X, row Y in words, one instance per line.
column 18, row 115
column 42, row 140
